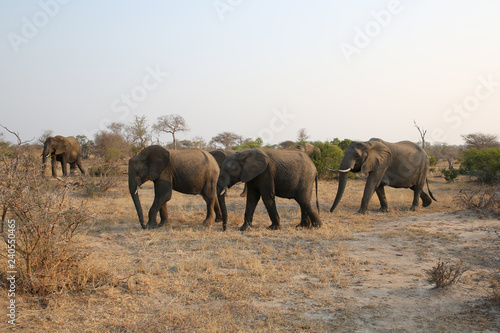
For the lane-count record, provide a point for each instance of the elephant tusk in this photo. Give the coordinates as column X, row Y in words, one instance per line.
column 338, row 170
column 137, row 190
column 223, row 191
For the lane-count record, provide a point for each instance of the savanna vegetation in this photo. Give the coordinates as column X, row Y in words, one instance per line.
column 84, row 264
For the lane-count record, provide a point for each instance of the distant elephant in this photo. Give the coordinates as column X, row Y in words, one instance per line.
column 310, row 149
column 400, row 165
column 65, row 150
column 190, row 171
column 269, row 173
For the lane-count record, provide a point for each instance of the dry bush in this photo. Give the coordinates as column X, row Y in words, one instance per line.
column 44, row 222
column 445, row 273
column 482, row 199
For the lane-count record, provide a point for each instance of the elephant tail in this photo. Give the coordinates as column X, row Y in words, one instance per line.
column 317, row 202
column 428, row 189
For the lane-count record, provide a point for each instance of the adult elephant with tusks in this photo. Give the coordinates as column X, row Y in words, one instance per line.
column 268, row 173
column 400, row 165
column 190, row 171
column 66, row 150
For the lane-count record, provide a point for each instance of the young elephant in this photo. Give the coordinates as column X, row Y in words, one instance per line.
column 190, row 171
column 269, row 173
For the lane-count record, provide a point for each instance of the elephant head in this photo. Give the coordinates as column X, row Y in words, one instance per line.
column 242, row 166
column 364, row 157
column 147, row 165
column 54, row 145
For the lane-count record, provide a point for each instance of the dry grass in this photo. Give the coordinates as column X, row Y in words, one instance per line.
column 190, row 278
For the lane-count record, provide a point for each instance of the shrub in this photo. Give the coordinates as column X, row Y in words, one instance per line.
column 483, row 164
column 450, row 174
column 445, row 274
column 330, row 158
column 45, row 222
column 484, row 199
column 432, row 160
column 111, row 145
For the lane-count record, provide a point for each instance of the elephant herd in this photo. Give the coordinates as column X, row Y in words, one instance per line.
column 266, row 173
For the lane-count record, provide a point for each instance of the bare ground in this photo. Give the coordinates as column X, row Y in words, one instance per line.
column 358, row 273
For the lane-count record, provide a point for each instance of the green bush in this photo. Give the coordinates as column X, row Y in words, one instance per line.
column 433, row 160
column 483, row 164
column 450, row 174
column 330, row 158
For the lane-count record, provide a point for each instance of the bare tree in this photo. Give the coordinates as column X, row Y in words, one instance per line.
column 480, row 140
column 44, row 136
column 302, row 135
column 422, row 133
column 171, row 124
column 227, row 139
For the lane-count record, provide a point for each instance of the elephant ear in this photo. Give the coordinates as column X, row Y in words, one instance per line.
column 254, row 163
column 61, row 143
column 378, row 156
column 157, row 160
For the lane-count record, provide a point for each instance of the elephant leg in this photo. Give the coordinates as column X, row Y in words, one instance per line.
column 218, row 211
column 253, row 197
column 426, row 199
column 64, row 165
column 305, row 220
column 382, row 198
column 164, row 216
column 312, row 215
column 163, row 193
column 79, row 164
column 417, row 189
column 270, row 204
column 372, row 184
column 211, row 201
column 54, row 166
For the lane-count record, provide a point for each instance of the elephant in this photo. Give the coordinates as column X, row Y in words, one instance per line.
column 309, row 149
column 269, row 173
column 189, row 171
column 220, row 156
column 400, row 165
column 65, row 150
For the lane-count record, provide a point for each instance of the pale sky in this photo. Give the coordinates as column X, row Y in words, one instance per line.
column 346, row 69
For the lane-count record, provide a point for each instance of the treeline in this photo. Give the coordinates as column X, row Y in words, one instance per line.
column 479, row 156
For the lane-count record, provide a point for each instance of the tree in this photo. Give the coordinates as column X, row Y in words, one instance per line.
column 111, row 146
column 116, row 128
column 483, row 164
column 480, row 141
column 249, row 143
column 422, row 133
column 171, row 124
column 302, row 135
column 227, row 139
column 138, row 132
column 45, row 135
column 86, row 145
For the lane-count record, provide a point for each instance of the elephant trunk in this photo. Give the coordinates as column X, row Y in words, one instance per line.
column 133, row 188
column 340, row 190
column 45, row 153
column 344, row 169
